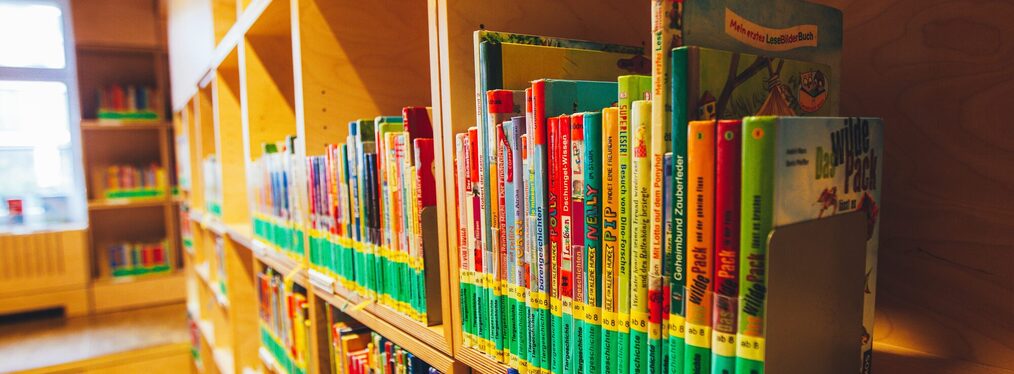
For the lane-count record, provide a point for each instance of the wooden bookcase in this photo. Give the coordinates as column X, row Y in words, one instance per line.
column 307, row 67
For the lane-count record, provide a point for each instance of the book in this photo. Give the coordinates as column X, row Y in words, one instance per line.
column 640, row 236
column 672, row 348
column 700, row 239
column 630, row 89
column 580, row 285
column 610, row 237
column 592, row 200
column 796, row 169
column 725, row 289
column 475, row 229
column 566, row 264
column 555, row 268
column 462, row 217
column 426, row 255
column 515, row 216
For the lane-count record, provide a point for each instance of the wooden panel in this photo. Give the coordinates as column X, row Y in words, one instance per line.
column 939, row 73
column 136, row 23
column 359, row 59
column 35, row 262
column 224, row 15
column 112, row 295
column 243, row 304
column 73, row 301
column 235, row 202
column 269, row 91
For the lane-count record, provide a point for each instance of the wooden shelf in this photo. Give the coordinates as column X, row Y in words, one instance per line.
column 281, row 263
column 108, row 296
column 479, row 362
column 102, row 124
column 106, row 204
column 397, row 333
column 432, row 336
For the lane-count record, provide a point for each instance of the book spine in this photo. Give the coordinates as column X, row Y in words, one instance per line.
column 728, row 149
column 666, row 253
column 566, row 244
column 464, row 278
column 610, row 237
column 555, row 307
column 578, row 240
column 757, row 173
column 630, row 88
column 476, row 260
column 510, row 230
column 500, row 235
column 592, row 200
column 640, row 238
column 701, row 175
column 519, row 342
column 677, row 245
column 542, row 249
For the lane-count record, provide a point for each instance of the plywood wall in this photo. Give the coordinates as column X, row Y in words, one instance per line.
column 940, row 74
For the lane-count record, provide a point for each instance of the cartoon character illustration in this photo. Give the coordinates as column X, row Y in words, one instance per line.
column 868, row 206
column 828, row 200
column 812, row 90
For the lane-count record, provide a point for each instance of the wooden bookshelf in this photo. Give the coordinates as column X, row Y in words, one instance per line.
column 276, row 68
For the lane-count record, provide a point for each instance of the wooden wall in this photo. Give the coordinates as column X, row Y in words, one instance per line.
column 941, row 75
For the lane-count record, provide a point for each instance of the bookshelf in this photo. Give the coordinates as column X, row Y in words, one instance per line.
column 306, row 67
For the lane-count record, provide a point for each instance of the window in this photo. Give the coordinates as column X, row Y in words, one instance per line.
column 41, row 177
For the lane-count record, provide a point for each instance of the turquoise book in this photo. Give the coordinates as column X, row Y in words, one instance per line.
column 592, row 197
column 797, row 169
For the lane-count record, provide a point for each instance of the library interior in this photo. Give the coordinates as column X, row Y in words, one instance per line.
column 506, row 187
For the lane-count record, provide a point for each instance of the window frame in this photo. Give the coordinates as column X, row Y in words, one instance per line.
column 77, row 202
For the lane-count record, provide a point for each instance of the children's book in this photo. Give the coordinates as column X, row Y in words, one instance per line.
column 725, row 289
column 553, row 207
column 427, row 250
column 796, row 169
column 640, row 237
column 577, row 237
column 591, row 178
column 464, row 276
column 515, row 212
column 610, row 238
column 672, row 347
column 630, row 89
column 700, row 238
column 564, row 149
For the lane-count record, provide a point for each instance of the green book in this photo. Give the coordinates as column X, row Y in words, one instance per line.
column 630, row 88
column 797, row 169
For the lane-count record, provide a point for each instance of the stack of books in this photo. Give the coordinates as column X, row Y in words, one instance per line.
column 128, row 103
column 371, row 209
column 284, row 313
column 277, row 212
column 132, row 181
column 616, row 222
column 137, row 258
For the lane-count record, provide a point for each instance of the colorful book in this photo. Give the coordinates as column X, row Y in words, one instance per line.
column 564, row 149
column 725, row 289
column 610, row 237
column 515, row 213
column 669, row 343
column 463, row 201
column 553, row 208
column 475, row 230
column 630, row 89
column 580, row 294
column 592, row 200
column 700, row 239
column 640, row 235
column 797, row 169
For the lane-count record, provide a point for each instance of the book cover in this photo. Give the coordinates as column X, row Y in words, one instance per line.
column 700, row 239
column 640, row 236
column 505, row 166
column 797, row 169
column 630, row 89
column 592, row 200
column 725, row 289
column 610, row 237
column 462, row 217
column 475, row 228
column 515, row 213
column 500, row 317
column 580, row 298
column 426, row 233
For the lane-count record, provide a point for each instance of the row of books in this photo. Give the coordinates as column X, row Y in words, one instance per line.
column 128, row 102
column 599, row 222
column 277, row 212
column 372, row 211
column 284, row 314
column 134, row 181
column 137, row 258
column 356, row 350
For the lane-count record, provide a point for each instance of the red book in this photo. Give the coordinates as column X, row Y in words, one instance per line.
column 416, row 120
column 473, row 163
column 728, row 148
column 426, row 182
column 552, row 127
column 563, row 197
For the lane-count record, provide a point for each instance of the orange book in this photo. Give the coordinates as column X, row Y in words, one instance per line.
column 700, row 241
